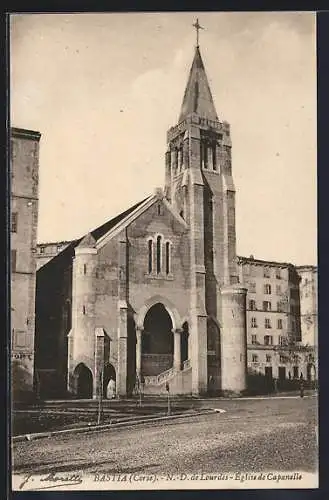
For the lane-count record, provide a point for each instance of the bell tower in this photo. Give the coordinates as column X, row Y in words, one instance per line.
column 199, row 185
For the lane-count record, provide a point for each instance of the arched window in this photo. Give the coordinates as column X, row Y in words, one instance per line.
column 150, row 256
column 159, row 254
column 205, row 155
column 214, row 159
column 168, row 258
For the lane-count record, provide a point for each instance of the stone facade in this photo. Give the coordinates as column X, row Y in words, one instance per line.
column 24, row 170
column 281, row 343
column 152, row 297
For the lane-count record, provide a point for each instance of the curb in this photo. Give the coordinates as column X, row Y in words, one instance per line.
column 118, row 425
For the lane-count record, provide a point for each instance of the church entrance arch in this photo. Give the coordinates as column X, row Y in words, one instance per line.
column 157, row 341
column 84, row 382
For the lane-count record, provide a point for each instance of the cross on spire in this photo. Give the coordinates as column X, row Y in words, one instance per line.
column 197, row 27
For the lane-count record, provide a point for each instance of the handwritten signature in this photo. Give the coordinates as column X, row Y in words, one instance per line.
column 53, row 477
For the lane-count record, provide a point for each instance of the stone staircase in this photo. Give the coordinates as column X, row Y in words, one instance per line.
column 180, row 381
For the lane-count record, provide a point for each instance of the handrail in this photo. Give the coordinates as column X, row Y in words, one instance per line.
column 162, row 377
column 187, row 364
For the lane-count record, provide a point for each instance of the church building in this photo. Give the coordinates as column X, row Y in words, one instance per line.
column 153, row 295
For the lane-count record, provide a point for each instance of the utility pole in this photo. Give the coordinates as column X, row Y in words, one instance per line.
column 100, row 397
column 140, row 395
column 168, row 392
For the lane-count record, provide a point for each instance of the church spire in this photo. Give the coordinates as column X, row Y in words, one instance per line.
column 197, row 97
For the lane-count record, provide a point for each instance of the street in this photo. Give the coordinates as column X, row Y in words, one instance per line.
column 252, row 435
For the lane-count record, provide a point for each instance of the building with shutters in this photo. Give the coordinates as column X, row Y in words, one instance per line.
column 281, row 318
column 24, row 172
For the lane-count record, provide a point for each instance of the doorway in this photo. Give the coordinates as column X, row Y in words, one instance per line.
column 84, row 382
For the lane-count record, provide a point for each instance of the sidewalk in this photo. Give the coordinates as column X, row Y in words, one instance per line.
column 115, row 424
column 154, row 399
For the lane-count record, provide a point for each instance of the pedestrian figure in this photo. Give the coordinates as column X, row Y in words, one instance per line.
column 110, row 393
column 301, row 386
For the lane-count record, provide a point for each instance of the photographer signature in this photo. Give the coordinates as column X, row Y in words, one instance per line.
column 53, row 477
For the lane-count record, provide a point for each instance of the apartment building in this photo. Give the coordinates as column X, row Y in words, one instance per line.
column 276, row 347
column 24, row 172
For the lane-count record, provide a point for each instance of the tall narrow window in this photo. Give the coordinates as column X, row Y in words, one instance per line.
column 158, row 254
column 150, row 255
column 14, row 217
column 267, row 305
column 84, row 268
column 84, row 309
column 214, row 159
column 205, row 156
column 252, row 305
column 68, row 318
column 13, row 261
column 167, row 257
column 204, row 159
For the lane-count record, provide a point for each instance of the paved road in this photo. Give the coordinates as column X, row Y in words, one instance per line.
column 272, row 434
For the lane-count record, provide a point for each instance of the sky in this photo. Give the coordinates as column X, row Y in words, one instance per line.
column 104, row 88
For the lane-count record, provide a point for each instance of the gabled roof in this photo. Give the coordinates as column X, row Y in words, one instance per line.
column 97, row 233
column 104, row 228
column 135, row 213
column 112, row 227
column 197, row 96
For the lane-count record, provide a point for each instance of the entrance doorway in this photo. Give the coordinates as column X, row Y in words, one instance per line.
column 213, row 356
column 157, row 341
column 109, row 373
column 282, row 373
column 84, row 382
